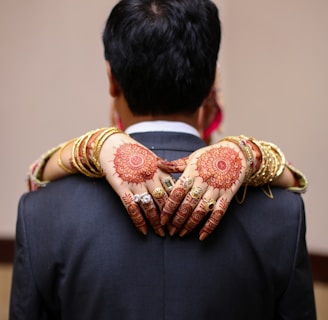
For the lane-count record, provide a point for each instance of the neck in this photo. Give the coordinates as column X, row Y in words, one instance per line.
column 129, row 119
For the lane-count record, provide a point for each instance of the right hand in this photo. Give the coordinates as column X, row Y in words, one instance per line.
column 210, row 179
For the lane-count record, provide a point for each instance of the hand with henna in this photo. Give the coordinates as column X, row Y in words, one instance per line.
column 132, row 171
column 210, row 179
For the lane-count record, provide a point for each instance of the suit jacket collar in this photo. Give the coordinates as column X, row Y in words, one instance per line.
column 182, row 142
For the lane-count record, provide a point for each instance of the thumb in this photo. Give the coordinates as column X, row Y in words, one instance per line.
column 173, row 166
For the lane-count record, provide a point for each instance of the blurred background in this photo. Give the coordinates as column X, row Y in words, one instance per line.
column 274, row 77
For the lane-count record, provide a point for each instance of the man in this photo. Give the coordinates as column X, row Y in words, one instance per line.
column 78, row 256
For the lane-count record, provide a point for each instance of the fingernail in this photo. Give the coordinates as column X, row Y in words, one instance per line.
column 143, row 230
column 164, row 220
column 172, row 231
column 183, row 232
column 161, row 232
column 203, row 236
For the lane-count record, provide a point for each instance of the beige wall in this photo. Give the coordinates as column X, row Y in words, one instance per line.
column 276, row 76
column 53, row 85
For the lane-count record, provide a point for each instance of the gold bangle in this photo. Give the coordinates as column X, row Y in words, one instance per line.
column 99, row 143
column 85, row 151
column 59, row 160
column 281, row 161
column 89, row 165
column 263, row 174
column 272, row 166
column 36, row 169
column 76, row 160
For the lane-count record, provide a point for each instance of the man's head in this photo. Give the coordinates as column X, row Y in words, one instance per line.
column 163, row 53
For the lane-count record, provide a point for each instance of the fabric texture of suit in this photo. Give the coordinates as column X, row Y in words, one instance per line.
column 78, row 256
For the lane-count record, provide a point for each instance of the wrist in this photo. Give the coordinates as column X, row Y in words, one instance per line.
column 245, row 148
column 86, row 151
column 257, row 155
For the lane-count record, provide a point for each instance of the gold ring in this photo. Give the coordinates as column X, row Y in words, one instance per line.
column 187, row 183
column 158, row 192
column 196, row 192
column 209, row 204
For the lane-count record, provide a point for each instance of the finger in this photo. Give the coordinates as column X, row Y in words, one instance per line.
column 203, row 208
column 194, row 220
column 134, row 212
column 152, row 214
column 168, row 184
column 183, row 185
column 172, row 203
column 215, row 218
column 173, row 166
column 183, row 213
column 160, row 196
column 211, row 224
column 169, row 227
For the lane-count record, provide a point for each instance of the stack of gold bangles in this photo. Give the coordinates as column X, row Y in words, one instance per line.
column 272, row 166
column 86, row 151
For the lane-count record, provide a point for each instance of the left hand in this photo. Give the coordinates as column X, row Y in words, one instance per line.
column 131, row 169
column 211, row 177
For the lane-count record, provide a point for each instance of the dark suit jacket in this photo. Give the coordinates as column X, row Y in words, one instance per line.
column 78, row 256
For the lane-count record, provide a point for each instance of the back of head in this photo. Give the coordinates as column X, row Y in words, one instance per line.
column 163, row 53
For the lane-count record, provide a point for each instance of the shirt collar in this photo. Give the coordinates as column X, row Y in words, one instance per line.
column 163, row 126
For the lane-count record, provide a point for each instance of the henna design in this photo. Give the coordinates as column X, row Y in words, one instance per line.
column 194, row 220
column 173, row 201
column 178, row 194
column 185, row 209
column 135, row 214
column 152, row 216
column 170, row 205
column 190, row 199
column 213, row 221
column 223, row 204
column 134, row 163
column 161, row 201
column 173, row 166
column 178, row 221
column 168, row 211
column 220, row 167
column 182, row 215
column 127, row 198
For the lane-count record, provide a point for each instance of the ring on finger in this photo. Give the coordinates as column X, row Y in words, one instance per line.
column 187, row 183
column 209, row 204
column 196, row 192
column 168, row 184
column 158, row 192
column 145, row 198
column 136, row 197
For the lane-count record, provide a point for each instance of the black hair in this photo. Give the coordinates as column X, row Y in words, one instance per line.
column 163, row 53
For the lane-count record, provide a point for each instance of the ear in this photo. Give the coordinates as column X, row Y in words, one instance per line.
column 200, row 121
column 114, row 89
